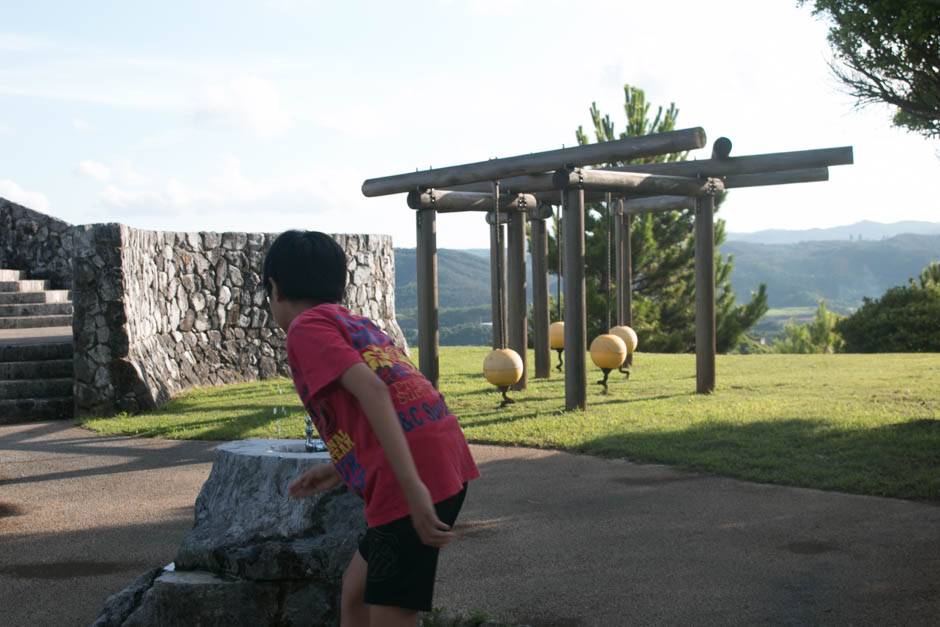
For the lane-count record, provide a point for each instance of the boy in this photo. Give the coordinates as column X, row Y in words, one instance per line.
column 390, row 435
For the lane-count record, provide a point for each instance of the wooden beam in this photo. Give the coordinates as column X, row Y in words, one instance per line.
column 540, row 301
column 704, row 168
column 426, row 254
column 751, row 164
column 495, row 169
column 575, row 302
column 446, row 201
column 705, row 294
column 721, row 149
column 517, row 311
column 651, row 204
column 632, row 183
column 783, row 177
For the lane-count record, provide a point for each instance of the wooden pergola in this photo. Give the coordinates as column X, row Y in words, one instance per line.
column 514, row 189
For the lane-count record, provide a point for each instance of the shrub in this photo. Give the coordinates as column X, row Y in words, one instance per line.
column 906, row 319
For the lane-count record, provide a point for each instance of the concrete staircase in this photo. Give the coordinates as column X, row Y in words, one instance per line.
column 36, row 370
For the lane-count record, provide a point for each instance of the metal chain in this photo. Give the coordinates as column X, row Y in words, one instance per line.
column 499, row 268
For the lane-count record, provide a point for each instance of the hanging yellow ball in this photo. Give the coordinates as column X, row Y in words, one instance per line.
column 608, row 351
column 556, row 335
column 628, row 336
column 502, row 367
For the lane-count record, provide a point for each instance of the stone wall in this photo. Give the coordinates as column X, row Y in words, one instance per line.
column 159, row 312
column 38, row 244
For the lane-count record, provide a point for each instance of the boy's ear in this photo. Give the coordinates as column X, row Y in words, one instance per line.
column 275, row 290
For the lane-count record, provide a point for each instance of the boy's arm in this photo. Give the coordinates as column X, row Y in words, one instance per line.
column 373, row 396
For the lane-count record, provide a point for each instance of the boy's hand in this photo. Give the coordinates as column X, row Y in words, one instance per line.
column 432, row 531
column 318, row 479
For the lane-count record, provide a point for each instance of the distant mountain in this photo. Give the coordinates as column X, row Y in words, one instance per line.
column 839, row 272
column 865, row 230
column 797, row 276
column 463, row 279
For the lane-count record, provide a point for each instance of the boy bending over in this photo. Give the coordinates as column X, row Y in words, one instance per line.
column 391, row 438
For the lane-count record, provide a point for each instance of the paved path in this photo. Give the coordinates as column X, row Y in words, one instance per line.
column 546, row 538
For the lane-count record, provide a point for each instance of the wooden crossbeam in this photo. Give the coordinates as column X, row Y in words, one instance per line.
column 549, row 161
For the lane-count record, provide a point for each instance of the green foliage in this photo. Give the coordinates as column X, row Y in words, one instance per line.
column 930, row 277
column 887, row 51
column 663, row 255
column 818, row 336
column 466, row 334
column 906, row 319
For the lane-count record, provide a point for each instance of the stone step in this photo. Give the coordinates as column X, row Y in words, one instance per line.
column 46, row 296
column 48, row 369
column 35, row 351
column 36, row 388
column 11, row 275
column 32, row 322
column 36, row 309
column 29, row 409
column 25, row 285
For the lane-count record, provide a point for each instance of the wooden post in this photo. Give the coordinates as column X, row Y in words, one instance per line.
column 624, row 263
column 705, row 294
column 516, row 322
column 543, row 359
column 497, row 253
column 575, row 304
column 426, row 254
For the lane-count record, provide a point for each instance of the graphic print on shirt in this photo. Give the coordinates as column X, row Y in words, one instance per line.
column 343, row 455
column 363, row 332
column 341, row 447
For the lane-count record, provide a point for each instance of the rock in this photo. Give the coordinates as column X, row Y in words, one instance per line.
column 246, row 525
column 119, row 606
column 255, row 557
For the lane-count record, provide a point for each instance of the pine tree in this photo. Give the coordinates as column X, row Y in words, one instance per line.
column 663, row 255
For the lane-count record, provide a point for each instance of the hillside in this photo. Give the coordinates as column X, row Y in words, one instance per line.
column 798, row 276
column 839, row 272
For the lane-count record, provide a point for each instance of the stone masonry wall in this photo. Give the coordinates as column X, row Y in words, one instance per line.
column 38, row 244
column 158, row 312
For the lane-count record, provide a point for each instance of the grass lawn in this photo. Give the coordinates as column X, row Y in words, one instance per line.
column 866, row 424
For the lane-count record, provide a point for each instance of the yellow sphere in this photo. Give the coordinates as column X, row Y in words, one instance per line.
column 628, row 336
column 608, row 351
column 502, row 367
column 556, row 335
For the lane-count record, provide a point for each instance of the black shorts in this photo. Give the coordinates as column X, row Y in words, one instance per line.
column 401, row 569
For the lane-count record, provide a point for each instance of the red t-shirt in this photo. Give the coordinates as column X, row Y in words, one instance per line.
column 322, row 343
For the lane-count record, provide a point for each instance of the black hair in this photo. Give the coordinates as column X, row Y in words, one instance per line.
column 307, row 265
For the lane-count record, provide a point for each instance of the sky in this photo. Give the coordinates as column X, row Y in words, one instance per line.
column 202, row 115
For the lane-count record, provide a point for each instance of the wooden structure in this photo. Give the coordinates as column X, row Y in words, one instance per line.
column 526, row 186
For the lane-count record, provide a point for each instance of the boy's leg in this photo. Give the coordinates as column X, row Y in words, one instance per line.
column 388, row 616
column 355, row 613
column 353, row 610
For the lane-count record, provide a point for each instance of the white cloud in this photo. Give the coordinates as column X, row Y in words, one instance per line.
column 81, row 125
column 244, row 101
column 95, row 170
column 6, row 130
column 113, row 196
column 14, row 193
column 13, row 42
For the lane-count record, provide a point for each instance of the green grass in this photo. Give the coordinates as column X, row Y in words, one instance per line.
column 866, row 424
